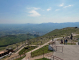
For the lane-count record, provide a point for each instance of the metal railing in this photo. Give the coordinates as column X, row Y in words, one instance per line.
column 52, row 57
column 16, row 57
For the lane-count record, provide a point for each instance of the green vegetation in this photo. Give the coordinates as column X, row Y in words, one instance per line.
column 63, row 32
column 40, row 51
column 12, row 39
column 39, row 41
column 43, row 59
column 20, row 58
column 26, row 49
column 7, row 40
column 2, row 48
column 55, row 33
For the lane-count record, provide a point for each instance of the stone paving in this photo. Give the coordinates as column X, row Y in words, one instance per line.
column 70, row 52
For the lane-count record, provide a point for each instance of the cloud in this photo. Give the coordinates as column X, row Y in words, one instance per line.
column 57, row 9
column 48, row 9
column 33, row 8
column 61, row 4
column 34, row 13
column 68, row 6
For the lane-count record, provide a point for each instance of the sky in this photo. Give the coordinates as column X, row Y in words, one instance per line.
column 38, row 11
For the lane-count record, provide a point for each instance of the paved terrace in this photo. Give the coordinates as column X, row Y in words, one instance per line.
column 70, row 52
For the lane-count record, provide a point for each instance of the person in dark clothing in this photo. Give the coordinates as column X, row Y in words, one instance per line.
column 66, row 41
column 61, row 41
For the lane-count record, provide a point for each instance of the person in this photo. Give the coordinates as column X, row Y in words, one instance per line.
column 61, row 41
column 52, row 39
column 71, row 36
column 78, row 41
column 66, row 41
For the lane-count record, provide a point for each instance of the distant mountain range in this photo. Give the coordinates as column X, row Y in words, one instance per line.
column 41, row 29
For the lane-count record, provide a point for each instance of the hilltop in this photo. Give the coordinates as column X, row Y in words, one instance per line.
column 63, row 32
column 55, row 33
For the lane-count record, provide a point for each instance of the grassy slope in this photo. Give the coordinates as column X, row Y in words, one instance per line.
column 58, row 32
column 63, row 32
column 45, row 38
column 12, row 39
column 40, row 51
column 29, row 48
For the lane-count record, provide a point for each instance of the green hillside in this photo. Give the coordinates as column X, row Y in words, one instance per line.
column 63, row 32
column 12, row 39
column 55, row 33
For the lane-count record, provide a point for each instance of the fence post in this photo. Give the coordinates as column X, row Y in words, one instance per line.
column 56, row 48
column 62, row 48
column 53, row 57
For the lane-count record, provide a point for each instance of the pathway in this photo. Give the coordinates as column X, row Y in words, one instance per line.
column 29, row 53
column 70, row 52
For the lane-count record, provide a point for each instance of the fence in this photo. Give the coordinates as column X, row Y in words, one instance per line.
column 59, row 46
column 19, row 48
column 16, row 57
column 52, row 57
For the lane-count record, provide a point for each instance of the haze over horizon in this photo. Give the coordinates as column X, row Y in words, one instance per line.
column 38, row 11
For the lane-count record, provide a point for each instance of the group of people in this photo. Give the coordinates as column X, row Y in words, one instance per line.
column 65, row 41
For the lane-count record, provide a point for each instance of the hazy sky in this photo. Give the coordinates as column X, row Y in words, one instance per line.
column 38, row 11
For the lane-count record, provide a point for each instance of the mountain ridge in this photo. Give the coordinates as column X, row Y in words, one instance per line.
column 43, row 28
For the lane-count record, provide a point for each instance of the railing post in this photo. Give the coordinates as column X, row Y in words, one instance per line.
column 62, row 48
column 53, row 57
column 56, row 48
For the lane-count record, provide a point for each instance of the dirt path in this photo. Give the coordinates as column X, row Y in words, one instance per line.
column 29, row 53
column 75, row 34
